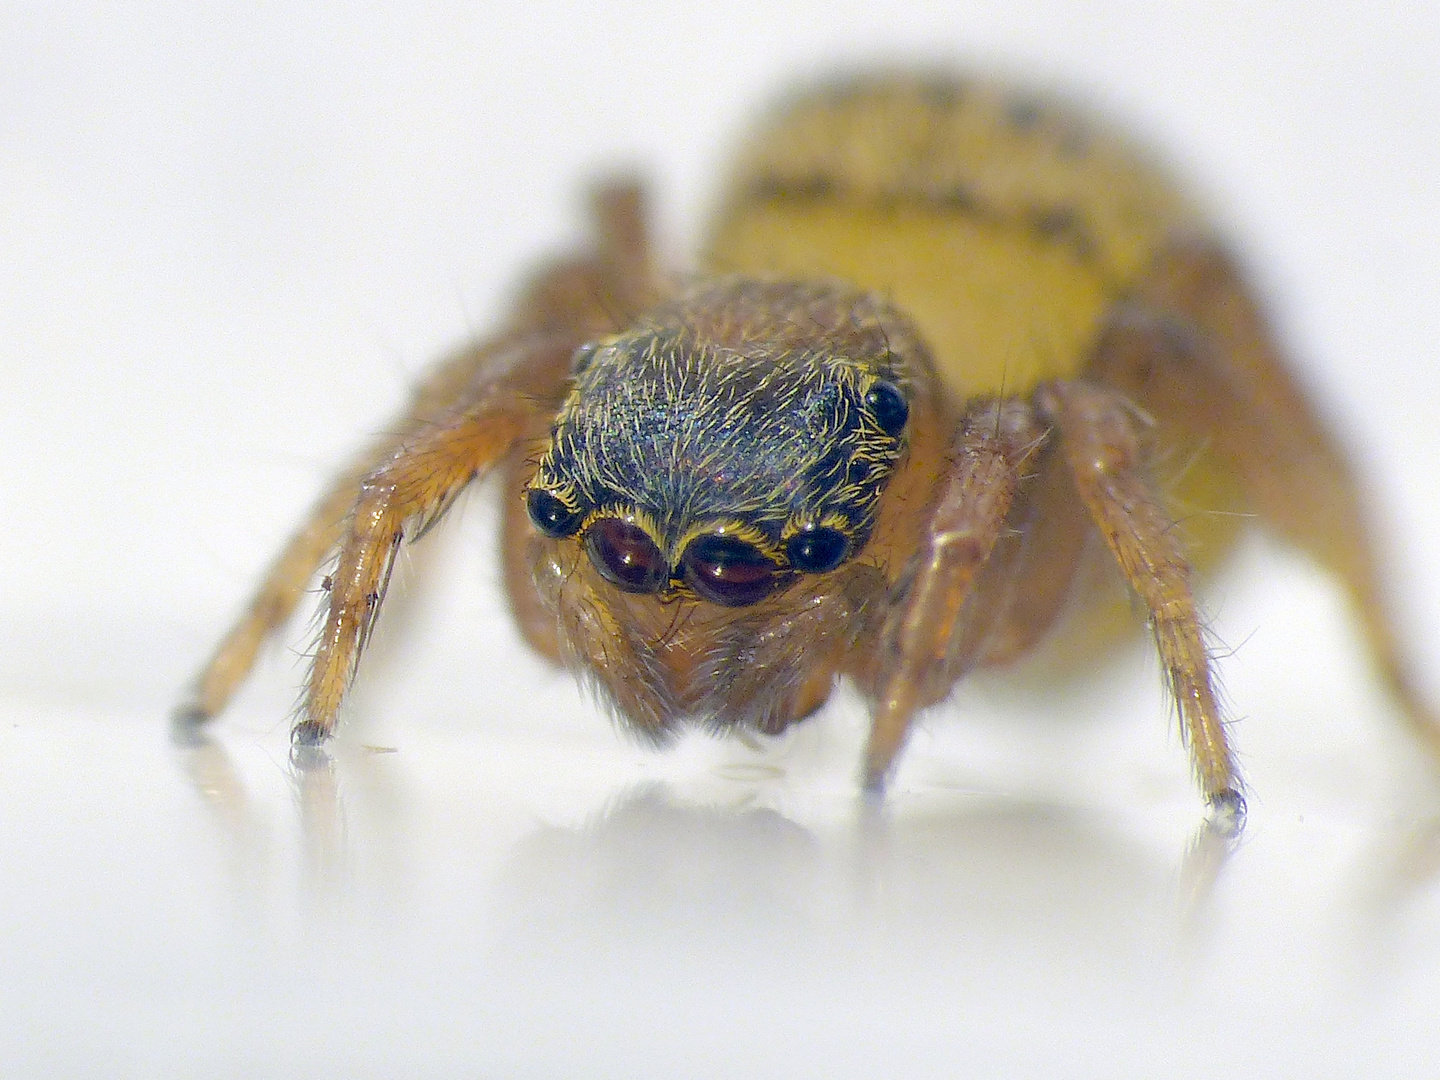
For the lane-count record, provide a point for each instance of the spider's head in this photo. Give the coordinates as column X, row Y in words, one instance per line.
column 740, row 436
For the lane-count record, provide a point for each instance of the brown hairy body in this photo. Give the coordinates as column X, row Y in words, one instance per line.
column 941, row 336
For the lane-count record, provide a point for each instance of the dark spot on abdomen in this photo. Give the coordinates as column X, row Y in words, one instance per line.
column 1066, row 225
column 780, row 188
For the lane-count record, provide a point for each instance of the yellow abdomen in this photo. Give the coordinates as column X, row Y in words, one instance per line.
column 1005, row 228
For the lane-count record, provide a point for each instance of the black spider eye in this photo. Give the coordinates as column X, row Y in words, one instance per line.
column 626, row 556
column 551, row 516
column 816, row 551
column 728, row 571
column 889, row 406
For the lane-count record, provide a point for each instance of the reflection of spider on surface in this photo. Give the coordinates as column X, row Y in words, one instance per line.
column 942, row 335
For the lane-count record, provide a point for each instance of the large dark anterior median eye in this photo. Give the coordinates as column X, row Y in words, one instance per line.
column 626, row 556
column 728, row 571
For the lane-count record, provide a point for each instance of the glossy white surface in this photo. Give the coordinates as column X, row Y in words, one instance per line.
column 229, row 238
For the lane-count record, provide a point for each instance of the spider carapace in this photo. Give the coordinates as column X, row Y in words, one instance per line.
column 943, row 343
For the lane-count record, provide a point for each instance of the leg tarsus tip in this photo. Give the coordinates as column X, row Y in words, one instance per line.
column 192, row 713
column 187, row 723
column 1225, row 812
column 308, row 734
column 873, row 785
column 307, row 747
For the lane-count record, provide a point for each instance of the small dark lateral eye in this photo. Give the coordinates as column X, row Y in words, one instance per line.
column 626, row 556
column 816, row 551
column 582, row 357
column 728, row 571
column 551, row 516
column 889, row 406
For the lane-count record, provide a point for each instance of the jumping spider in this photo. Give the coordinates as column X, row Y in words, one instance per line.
column 941, row 335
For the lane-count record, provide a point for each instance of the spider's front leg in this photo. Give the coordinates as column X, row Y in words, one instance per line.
column 916, row 663
column 286, row 579
column 411, row 490
column 1103, row 438
column 463, row 415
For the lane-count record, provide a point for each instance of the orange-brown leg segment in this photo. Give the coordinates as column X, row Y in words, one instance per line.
column 1103, row 438
column 1196, row 352
column 290, row 572
column 566, row 303
column 417, row 483
column 286, row 578
column 988, row 455
column 1028, row 580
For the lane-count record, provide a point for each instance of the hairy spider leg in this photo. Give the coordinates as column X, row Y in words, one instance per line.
column 1193, row 350
column 1103, row 436
column 988, row 455
column 566, row 303
column 409, row 490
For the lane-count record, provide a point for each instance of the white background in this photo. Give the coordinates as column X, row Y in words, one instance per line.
column 230, row 234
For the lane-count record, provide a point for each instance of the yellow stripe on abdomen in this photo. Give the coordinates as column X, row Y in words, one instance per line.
column 1000, row 309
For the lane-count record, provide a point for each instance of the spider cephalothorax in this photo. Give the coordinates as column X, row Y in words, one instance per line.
column 739, row 436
